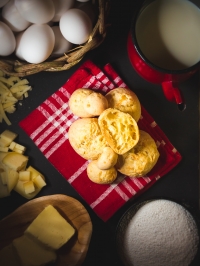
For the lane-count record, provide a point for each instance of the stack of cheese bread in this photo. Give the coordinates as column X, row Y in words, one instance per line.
column 108, row 135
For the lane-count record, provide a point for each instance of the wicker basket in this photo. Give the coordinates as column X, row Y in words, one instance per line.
column 15, row 67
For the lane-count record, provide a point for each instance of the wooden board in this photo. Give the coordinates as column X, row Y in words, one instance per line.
column 72, row 253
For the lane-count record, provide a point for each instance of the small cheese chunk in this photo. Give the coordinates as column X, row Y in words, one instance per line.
column 12, row 145
column 15, row 161
column 8, row 257
column 39, row 181
column 50, row 228
column 24, row 175
column 29, row 187
column 17, row 147
column 32, row 253
column 19, row 188
column 8, row 136
column 34, row 172
column 12, row 178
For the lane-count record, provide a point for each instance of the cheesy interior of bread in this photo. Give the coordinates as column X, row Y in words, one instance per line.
column 124, row 100
column 119, row 129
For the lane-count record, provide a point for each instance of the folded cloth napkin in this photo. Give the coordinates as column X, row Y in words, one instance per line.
column 48, row 125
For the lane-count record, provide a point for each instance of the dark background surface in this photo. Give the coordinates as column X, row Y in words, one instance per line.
column 182, row 128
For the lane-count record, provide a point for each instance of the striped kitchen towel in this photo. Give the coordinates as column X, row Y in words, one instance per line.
column 48, row 127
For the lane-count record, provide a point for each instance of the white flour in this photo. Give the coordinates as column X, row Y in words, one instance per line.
column 161, row 233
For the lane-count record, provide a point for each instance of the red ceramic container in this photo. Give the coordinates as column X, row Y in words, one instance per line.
column 168, row 79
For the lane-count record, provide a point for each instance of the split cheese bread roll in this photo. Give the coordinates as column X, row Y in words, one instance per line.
column 139, row 161
column 119, row 129
column 86, row 138
column 124, row 100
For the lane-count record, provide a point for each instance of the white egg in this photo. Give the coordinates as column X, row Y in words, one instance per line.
column 61, row 6
column 75, row 26
column 36, row 11
column 7, row 40
column 61, row 44
column 12, row 17
column 37, row 43
column 18, row 51
column 3, row 2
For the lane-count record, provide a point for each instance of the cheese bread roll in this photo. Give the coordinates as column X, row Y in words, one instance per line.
column 100, row 176
column 139, row 161
column 124, row 100
column 76, row 102
column 86, row 138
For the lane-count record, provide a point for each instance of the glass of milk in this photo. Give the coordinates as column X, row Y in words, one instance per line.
column 164, row 44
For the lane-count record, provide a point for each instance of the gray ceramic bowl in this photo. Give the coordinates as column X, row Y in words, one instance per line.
column 123, row 231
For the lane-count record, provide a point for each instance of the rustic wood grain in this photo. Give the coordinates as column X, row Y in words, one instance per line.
column 72, row 253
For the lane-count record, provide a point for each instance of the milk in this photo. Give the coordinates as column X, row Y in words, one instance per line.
column 168, row 33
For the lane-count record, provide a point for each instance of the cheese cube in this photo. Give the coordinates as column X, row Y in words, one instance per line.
column 12, row 178
column 31, row 253
column 19, row 188
column 8, row 257
column 12, row 145
column 29, row 187
column 24, row 175
column 7, row 137
column 34, row 172
column 15, row 161
column 18, row 151
column 20, row 147
column 39, row 181
column 50, row 228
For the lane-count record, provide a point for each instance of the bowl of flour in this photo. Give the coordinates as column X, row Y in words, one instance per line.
column 158, row 232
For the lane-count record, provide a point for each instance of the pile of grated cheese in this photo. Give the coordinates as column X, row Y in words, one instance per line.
column 12, row 89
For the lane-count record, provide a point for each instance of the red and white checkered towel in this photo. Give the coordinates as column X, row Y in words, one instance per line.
column 48, row 125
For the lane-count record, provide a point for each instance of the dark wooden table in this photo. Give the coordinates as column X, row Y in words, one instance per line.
column 182, row 129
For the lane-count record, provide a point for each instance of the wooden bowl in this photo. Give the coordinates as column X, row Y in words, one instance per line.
column 72, row 253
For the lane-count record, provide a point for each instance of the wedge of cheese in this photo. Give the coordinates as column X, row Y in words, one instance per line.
column 31, row 253
column 8, row 257
column 50, row 228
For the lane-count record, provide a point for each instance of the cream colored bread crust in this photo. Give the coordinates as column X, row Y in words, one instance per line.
column 76, row 102
column 107, row 159
column 119, row 129
column 100, row 176
column 86, row 138
column 95, row 104
column 124, row 100
column 141, row 159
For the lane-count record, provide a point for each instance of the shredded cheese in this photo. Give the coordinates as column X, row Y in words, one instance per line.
column 12, row 89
